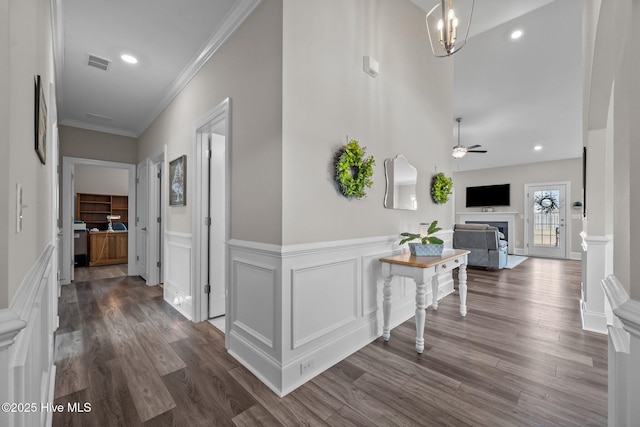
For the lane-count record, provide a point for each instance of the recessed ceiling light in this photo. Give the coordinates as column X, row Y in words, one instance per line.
column 516, row 34
column 129, row 59
column 538, row 147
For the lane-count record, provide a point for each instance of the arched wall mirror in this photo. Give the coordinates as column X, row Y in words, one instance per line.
column 402, row 178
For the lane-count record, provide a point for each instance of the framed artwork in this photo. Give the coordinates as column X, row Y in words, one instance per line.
column 178, row 182
column 40, row 123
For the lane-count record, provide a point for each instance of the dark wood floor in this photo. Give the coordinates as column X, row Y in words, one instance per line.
column 518, row 358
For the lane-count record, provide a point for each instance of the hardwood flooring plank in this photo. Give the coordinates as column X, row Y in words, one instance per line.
column 148, row 392
column 163, row 357
column 172, row 418
column 231, row 397
column 67, row 418
column 170, row 329
column 71, row 369
column 112, row 401
column 191, row 394
column 257, row 415
column 318, row 400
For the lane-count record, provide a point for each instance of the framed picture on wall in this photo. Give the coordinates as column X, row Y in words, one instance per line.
column 178, row 182
column 40, row 121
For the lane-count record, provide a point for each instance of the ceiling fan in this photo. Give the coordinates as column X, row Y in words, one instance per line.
column 459, row 151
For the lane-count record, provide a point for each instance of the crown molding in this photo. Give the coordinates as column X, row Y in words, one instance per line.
column 232, row 21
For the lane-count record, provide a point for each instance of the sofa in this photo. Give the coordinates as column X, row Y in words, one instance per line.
column 486, row 243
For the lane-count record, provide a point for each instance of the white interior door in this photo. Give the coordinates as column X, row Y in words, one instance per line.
column 547, row 225
column 142, row 210
column 217, row 230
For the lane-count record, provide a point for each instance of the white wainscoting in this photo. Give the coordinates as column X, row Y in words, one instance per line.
column 597, row 263
column 297, row 310
column 177, row 274
column 27, row 370
column 624, row 355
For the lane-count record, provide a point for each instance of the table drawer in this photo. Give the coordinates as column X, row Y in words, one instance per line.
column 449, row 265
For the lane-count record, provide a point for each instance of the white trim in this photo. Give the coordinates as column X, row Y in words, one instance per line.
column 200, row 252
column 27, row 370
column 624, row 354
column 98, row 128
column 68, row 167
column 155, row 237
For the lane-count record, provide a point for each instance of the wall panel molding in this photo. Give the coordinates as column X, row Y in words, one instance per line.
column 178, row 288
column 323, row 299
column 27, row 370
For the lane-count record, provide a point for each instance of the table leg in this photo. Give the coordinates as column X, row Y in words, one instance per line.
column 462, row 288
column 434, row 291
column 386, row 308
column 421, row 314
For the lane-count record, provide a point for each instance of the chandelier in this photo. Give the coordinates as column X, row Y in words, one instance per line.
column 443, row 26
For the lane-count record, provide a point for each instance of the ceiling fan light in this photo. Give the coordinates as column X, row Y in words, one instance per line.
column 458, row 152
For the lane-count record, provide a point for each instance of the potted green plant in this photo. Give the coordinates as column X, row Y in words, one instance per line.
column 429, row 245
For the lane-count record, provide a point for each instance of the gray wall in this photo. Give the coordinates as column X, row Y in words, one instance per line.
column 89, row 144
column 247, row 69
column 533, row 173
column 101, row 180
column 407, row 109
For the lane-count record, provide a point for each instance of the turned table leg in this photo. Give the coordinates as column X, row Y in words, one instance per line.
column 421, row 314
column 386, row 308
column 434, row 291
column 462, row 288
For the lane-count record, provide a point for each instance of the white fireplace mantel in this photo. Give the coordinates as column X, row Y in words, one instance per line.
column 508, row 217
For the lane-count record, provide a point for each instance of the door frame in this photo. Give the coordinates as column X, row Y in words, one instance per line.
column 567, row 219
column 68, row 168
column 199, row 213
column 155, row 210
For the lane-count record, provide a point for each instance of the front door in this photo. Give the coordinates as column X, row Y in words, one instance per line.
column 547, row 231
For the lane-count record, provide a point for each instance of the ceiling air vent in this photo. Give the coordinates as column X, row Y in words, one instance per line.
column 96, row 61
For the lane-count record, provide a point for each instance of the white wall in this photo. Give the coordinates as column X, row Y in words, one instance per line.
column 518, row 176
column 101, row 180
column 25, row 51
column 407, row 109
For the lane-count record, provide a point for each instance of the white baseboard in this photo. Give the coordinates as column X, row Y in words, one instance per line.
column 591, row 321
column 577, row 256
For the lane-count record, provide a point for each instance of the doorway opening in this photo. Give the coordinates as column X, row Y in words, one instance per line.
column 70, row 208
column 211, row 222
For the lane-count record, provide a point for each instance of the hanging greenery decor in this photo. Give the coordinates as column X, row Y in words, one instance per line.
column 546, row 203
column 441, row 187
column 353, row 171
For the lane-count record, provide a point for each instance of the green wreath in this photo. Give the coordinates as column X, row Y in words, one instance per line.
column 441, row 187
column 353, row 172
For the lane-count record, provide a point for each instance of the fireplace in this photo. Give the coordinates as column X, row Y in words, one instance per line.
column 502, row 226
column 503, row 221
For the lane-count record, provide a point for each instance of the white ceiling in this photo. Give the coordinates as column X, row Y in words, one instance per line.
column 511, row 95
column 171, row 39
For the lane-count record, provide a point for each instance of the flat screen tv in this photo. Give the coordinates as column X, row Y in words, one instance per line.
column 488, row 195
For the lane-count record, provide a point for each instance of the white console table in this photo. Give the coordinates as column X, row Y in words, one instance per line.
column 508, row 217
column 420, row 269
